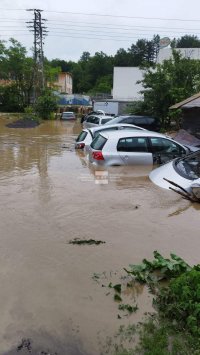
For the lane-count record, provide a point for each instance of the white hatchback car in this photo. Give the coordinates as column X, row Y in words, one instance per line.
column 138, row 148
column 184, row 172
column 86, row 136
column 96, row 120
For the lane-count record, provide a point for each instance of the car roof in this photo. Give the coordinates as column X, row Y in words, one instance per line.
column 94, row 129
column 68, row 112
column 125, row 134
column 101, row 116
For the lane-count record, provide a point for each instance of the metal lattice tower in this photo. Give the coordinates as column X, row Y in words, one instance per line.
column 37, row 27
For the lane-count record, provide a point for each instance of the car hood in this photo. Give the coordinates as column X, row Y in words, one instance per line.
column 168, row 172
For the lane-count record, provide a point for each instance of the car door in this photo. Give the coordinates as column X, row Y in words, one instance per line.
column 164, row 149
column 134, row 150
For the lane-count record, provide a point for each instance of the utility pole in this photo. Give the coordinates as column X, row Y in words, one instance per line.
column 37, row 27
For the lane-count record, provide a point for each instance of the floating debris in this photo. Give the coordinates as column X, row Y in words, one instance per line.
column 193, row 196
column 86, row 241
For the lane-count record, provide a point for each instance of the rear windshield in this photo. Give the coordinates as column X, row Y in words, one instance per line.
column 98, row 143
column 189, row 167
column 81, row 136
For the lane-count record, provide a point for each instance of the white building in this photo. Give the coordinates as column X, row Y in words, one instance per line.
column 166, row 53
column 125, row 86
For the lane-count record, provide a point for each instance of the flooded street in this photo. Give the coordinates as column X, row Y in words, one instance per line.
column 50, row 196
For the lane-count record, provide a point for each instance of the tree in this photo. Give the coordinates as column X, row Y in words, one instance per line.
column 187, row 41
column 18, row 68
column 170, row 82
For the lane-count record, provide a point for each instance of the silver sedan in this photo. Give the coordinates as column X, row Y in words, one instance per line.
column 134, row 148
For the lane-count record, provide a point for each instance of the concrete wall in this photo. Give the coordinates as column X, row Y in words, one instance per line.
column 125, row 85
column 166, row 53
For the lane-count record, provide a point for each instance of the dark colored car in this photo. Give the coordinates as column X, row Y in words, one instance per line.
column 149, row 123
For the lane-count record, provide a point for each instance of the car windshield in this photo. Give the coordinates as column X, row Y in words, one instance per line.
column 114, row 120
column 189, row 167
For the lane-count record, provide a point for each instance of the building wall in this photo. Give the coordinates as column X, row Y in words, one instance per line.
column 125, row 85
column 64, row 83
column 166, row 53
column 191, row 120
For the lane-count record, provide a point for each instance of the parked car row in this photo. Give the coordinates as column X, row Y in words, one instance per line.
column 119, row 142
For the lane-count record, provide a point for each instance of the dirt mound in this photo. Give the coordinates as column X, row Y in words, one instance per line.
column 24, row 123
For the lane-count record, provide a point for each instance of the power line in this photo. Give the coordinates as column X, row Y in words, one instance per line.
column 112, row 16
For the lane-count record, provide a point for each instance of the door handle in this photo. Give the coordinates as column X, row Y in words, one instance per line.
column 126, row 157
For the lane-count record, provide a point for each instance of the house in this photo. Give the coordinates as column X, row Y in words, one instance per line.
column 190, row 114
column 64, row 83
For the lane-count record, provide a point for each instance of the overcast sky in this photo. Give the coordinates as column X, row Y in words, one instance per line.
column 98, row 25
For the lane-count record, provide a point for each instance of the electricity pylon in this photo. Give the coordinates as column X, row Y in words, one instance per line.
column 37, row 27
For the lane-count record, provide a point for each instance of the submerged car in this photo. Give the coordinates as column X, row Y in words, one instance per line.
column 184, row 172
column 68, row 115
column 98, row 112
column 150, row 123
column 138, row 148
column 96, row 120
column 86, row 137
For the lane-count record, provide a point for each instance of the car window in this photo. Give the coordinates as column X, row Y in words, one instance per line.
column 139, row 120
column 105, row 120
column 189, row 167
column 135, row 144
column 162, row 145
column 96, row 120
column 81, row 136
column 99, row 142
column 90, row 119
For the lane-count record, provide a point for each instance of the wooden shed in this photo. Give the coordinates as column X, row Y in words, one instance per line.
column 190, row 114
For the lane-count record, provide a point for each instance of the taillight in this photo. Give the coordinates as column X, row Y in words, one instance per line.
column 97, row 155
column 80, row 145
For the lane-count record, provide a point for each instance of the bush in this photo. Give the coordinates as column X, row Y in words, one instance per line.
column 180, row 301
column 45, row 105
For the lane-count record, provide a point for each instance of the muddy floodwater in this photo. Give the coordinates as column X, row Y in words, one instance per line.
column 49, row 196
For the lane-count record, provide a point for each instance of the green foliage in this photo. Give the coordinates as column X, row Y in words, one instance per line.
column 11, row 99
column 158, row 269
column 170, row 82
column 187, row 41
column 46, row 104
column 128, row 307
column 180, row 301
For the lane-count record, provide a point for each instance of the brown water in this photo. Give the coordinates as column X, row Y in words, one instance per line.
column 50, row 196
